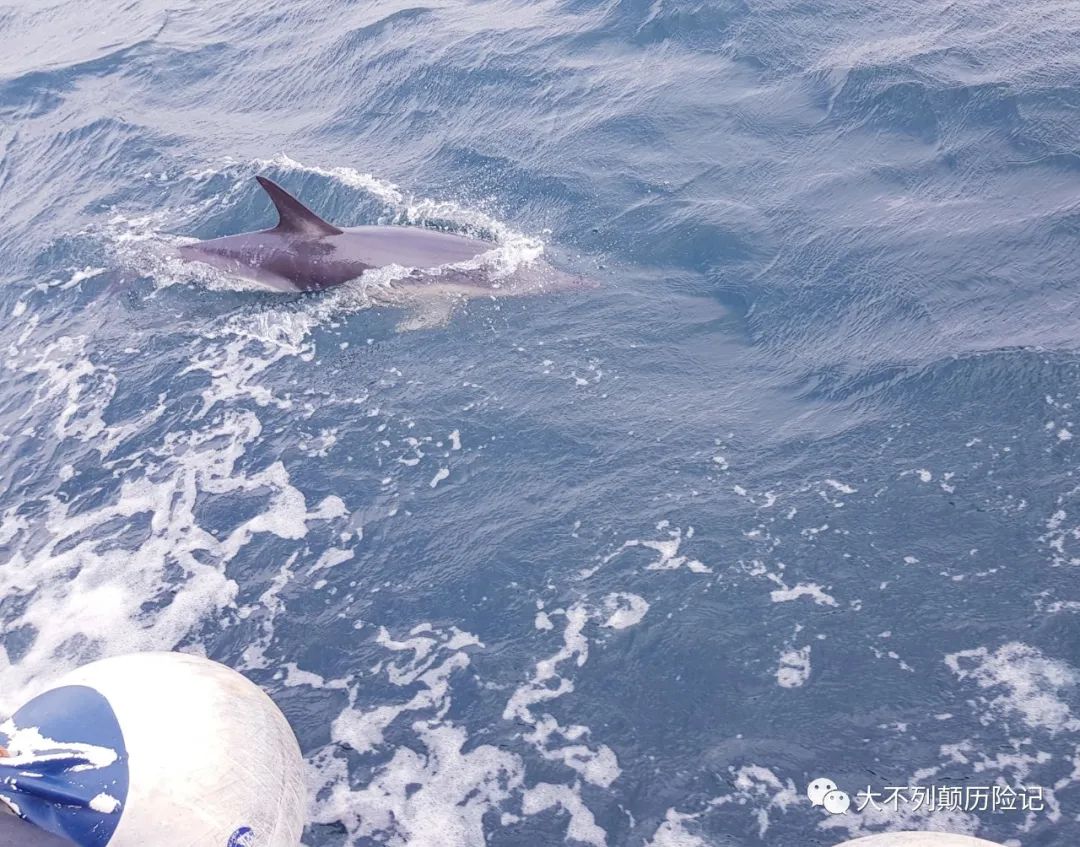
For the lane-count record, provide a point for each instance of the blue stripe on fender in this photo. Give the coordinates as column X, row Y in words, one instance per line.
column 55, row 793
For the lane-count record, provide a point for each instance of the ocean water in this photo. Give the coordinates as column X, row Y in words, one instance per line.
column 791, row 493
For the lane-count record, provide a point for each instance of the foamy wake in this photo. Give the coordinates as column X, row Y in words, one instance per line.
column 135, row 570
column 434, row 791
column 118, row 556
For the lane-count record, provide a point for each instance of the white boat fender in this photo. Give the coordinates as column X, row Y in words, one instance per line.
column 161, row 749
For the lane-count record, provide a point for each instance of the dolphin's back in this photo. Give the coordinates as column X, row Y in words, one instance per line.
column 281, row 262
column 305, row 253
column 410, row 247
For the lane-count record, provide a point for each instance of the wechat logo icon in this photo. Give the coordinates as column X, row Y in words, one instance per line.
column 823, row 792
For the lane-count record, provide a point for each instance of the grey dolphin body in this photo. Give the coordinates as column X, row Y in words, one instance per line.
column 305, row 253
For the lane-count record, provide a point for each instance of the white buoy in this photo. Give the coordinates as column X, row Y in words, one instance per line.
column 918, row 839
column 161, row 749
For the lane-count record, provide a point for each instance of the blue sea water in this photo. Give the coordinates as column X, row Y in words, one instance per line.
column 791, row 494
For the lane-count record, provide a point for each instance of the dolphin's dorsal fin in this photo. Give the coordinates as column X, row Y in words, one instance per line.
column 294, row 216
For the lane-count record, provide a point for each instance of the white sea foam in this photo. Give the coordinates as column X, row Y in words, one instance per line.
column 597, row 764
column 1061, row 536
column 363, row 730
column 432, row 791
column 667, row 550
column 794, row 668
column 331, row 557
column 672, row 832
column 435, row 797
column 624, row 610
column 134, row 569
column 761, row 790
column 582, row 826
column 785, row 594
column 85, row 591
column 1019, row 680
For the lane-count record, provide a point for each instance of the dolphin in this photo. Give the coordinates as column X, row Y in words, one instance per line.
column 305, row 253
